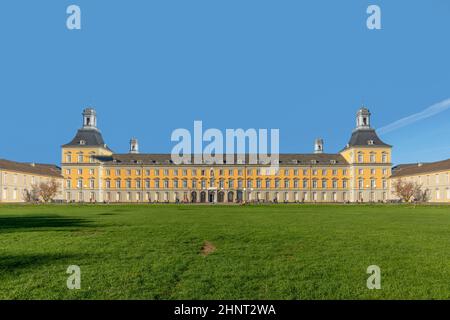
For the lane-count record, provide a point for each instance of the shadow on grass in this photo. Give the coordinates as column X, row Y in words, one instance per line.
column 12, row 263
column 41, row 222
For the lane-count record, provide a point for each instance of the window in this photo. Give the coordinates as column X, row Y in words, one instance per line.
column 147, row 172
column 138, row 172
column 267, row 184
column 107, row 184
column 335, row 184
column 68, row 184
column 117, row 172
column 239, row 184
column 249, row 184
column 314, row 172
column 324, row 172
column 175, row 184
column 373, row 183
column 91, row 172
column 384, row 157
column 314, row 184
column 69, row 158
column 108, row 172
column 344, row 183
column 166, row 184
column 258, row 183
column 360, row 184
column 296, row 184
column 231, row 183
column 286, row 183
column 334, row 172
column 372, row 171
column 185, row 183
column 118, row 183
column 277, row 183
column 166, row 172
column 344, row 172
column 157, row 183
column 80, row 171
column 175, row 172
column 80, row 183
column 156, row 172
column 230, row 172
column 361, row 171
column 305, row 172
column 80, row 157
column 138, row 183
column 372, row 157
column 128, row 183
column 92, row 183
column 324, row 183
column 147, row 184
column 305, row 183
column 360, row 157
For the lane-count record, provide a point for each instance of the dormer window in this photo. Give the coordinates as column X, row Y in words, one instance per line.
column 82, row 142
column 333, row 161
column 370, row 142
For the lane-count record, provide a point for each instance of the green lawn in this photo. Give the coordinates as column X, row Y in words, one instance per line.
column 262, row 252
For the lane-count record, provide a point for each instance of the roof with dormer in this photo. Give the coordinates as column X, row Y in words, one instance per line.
column 87, row 138
column 365, row 138
column 31, row 168
column 409, row 169
column 166, row 159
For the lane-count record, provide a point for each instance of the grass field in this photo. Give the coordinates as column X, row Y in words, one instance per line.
column 255, row 252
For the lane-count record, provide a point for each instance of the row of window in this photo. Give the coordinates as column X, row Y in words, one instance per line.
column 221, row 172
column 230, row 184
column 372, row 157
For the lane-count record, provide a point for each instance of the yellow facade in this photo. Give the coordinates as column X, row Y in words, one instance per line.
column 93, row 172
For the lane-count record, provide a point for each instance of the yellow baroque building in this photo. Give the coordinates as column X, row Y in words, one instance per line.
column 94, row 173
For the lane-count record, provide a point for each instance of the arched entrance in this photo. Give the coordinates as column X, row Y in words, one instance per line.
column 211, row 196
column 220, row 196
column 230, row 196
column 240, row 196
column 193, row 196
column 203, row 196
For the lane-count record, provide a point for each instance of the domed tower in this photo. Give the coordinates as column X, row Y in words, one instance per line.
column 82, row 159
column 369, row 159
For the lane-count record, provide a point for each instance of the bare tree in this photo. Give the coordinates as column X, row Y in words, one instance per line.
column 404, row 190
column 32, row 195
column 420, row 194
column 48, row 190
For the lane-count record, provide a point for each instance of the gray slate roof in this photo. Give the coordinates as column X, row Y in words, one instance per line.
column 361, row 137
column 91, row 138
column 165, row 159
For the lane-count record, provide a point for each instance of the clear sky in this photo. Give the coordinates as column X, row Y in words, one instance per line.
column 149, row 67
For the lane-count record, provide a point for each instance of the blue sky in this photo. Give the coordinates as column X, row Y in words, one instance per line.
column 149, row 67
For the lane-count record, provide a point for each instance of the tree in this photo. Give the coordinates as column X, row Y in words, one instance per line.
column 48, row 190
column 409, row 191
column 32, row 195
column 421, row 195
column 404, row 190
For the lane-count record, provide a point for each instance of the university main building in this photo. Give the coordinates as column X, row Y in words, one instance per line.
column 94, row 173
